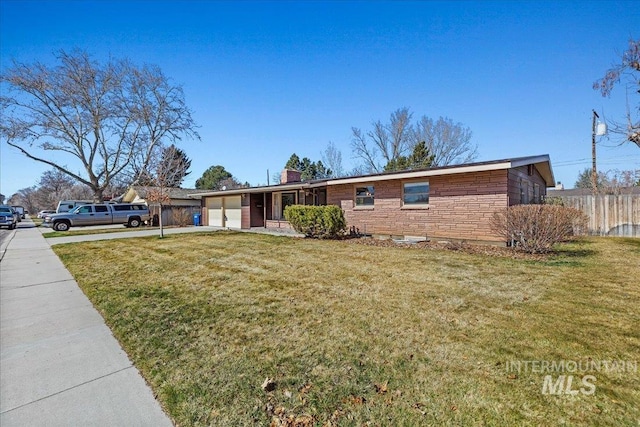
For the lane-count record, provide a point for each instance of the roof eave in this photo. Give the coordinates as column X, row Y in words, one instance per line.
column 542, row 163
column 247, row 190
column 423, row 173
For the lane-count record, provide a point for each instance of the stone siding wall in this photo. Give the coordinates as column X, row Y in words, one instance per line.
column 460, row 207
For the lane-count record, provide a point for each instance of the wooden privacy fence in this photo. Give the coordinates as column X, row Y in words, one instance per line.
column 609, row 215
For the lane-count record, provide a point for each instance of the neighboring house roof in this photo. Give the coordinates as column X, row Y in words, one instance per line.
column 542, row 163
column 588, row 192
column 141, row 192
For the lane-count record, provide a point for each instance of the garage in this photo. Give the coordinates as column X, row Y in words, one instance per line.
column 225, row 211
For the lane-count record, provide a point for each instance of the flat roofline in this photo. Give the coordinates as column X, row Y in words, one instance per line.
column 542, row 163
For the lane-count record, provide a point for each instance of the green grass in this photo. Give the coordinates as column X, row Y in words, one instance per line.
column 354, row 334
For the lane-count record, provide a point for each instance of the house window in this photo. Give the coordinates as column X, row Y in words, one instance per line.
column 536, row 193
column 288, row 199
column 365, row 195
column 524, row 191
column 416, row 193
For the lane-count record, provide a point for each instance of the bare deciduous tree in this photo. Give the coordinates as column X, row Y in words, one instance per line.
column 104, row 117
column 332, row 158
column 386, row 144
column 628, row 73
column 26, row 197
column 54, row 186
column 449, row 142
column 388, row 141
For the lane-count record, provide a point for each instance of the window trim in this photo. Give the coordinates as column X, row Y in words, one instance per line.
column 406, row 205
column 372, row 197
column 288, row 194
column 536, row 193
column 524, row 192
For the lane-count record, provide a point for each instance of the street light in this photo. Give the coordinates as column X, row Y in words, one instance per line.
column 599, row 130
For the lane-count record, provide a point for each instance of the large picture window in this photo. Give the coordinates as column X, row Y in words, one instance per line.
column 365, row 195
column 416, row 193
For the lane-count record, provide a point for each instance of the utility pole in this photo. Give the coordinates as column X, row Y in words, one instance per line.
column 594, row 173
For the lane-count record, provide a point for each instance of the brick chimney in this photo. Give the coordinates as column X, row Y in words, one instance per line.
column 289, row 175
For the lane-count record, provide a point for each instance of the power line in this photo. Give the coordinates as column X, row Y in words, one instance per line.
column 607, row 160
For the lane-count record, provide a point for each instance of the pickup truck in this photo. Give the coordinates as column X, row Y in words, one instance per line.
column 129, row 214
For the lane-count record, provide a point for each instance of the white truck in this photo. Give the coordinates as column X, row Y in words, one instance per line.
column 20, row 210
column 129, row 214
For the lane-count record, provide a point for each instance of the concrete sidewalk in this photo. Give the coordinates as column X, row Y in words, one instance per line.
column 59, row 363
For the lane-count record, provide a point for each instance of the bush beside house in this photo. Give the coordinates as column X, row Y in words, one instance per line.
column 324, row 222
column 536, row 228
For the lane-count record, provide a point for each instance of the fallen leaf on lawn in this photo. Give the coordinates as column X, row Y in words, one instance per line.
column 356, row 400
column 268, row 384
column 381, row 388
column 305, row 388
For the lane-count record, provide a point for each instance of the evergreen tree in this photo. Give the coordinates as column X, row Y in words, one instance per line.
column 175, row 159
column 213, row 178
column 420, row 158
column 308, row 170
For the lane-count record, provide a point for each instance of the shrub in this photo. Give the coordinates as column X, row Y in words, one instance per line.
column 536, row 228
column 554, row 200
column 181, row 217
column 316, row 221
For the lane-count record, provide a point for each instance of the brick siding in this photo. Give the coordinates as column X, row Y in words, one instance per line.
column 460, row 207
column 274, row 223
column 528, row 181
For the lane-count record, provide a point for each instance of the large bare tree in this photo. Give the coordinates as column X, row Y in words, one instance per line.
column 626, row 72
column 448, row 141
column 105, row 117
column 386, row 144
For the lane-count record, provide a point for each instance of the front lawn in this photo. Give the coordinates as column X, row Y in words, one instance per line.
column 353, row 334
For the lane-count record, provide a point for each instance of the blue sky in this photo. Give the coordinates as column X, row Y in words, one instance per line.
column 267, row 79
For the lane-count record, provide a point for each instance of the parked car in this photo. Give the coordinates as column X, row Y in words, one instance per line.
column 8, row 217
column 129, row 214
column 44, row 213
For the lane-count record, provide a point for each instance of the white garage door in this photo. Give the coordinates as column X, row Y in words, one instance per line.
column 214, row 208
column 225, row 211
column 233, row 212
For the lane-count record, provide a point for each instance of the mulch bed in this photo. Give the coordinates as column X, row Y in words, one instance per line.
column 475, row 249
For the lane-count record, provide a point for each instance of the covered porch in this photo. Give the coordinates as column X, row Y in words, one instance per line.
column 259, row 207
